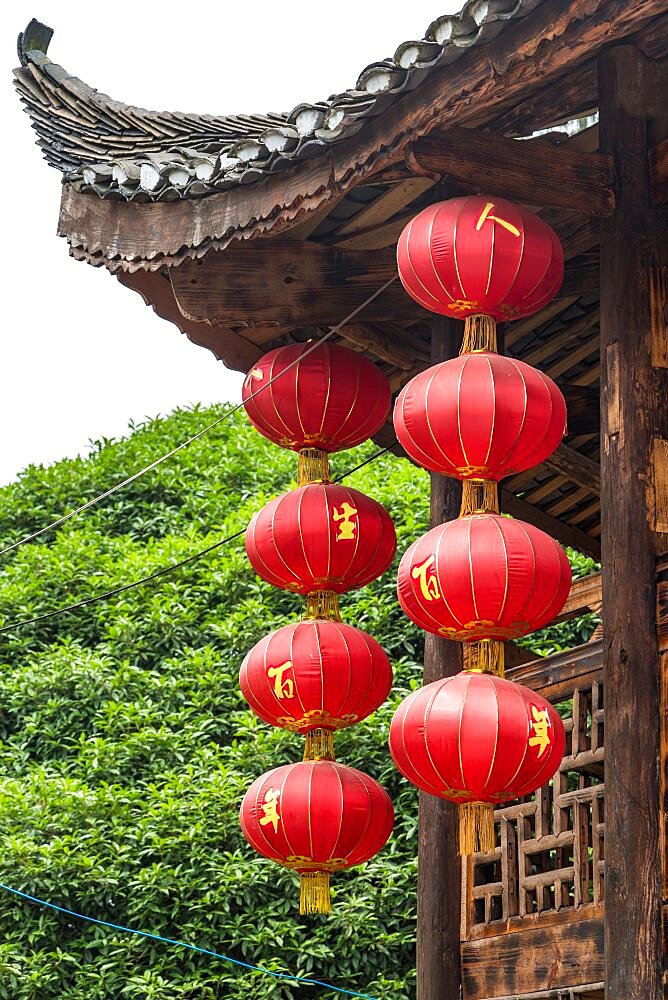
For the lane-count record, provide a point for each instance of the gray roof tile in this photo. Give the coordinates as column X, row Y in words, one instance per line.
column 122, row 152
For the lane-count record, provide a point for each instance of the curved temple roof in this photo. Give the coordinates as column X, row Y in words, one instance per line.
column 118, row 151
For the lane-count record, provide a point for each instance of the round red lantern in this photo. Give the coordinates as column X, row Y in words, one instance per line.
column 330, row 399
column 316, row 817
column 480, row 256
column 316, row 675
column 476, row 738
column 321, row 537
column 480, row 416
column 483, row 577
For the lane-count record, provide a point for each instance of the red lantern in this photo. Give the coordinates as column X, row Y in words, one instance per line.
column 316, row 817
column 480, row 416
column 476, row 738
column 331, row 399
column 321, row 537
column 483, row 577
column 315, row 675
column 479, row 255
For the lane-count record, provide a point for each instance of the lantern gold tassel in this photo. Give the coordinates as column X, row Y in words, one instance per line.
column 319, row 745
column 479, row 334
column 479, row 496
column 476, row 828
column 312, row 466
column 323, row 604
column 314, row 896
column 486, row 656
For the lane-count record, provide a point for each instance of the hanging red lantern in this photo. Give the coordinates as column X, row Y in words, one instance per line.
column 314, row 677
column 480, row 256
column 321, row 537
column 316, row 817
column 483, row 577
column 331, row 399
column 480, row 416
column 479, row 739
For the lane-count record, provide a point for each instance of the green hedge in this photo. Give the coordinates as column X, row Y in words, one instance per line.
column 125, row 745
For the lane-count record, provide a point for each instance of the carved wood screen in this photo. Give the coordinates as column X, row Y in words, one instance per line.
column 545, row 878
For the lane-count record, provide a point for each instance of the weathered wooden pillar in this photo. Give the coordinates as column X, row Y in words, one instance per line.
column 439, row 868
column 632, row 400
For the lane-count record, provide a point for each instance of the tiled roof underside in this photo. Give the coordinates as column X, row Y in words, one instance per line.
column 118, row 151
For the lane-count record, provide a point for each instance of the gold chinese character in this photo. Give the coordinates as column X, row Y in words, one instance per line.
column 270, row 809
column 347, row 526
column 495, row 218
column 425, row 573
column 463, row 304
column 283, row 687
column 540, row 726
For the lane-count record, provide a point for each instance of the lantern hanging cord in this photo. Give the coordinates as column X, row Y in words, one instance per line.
column 165, row 569
column 195, row 437
column 184, row 944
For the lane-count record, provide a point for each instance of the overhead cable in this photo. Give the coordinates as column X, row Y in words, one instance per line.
column 195, row 437
column 184, row 944
column 160, row 572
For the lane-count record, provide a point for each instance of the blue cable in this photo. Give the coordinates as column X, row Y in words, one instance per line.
column 184, row 944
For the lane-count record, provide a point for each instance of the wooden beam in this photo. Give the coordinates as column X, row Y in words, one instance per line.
column 374, row 340
column 439, row 868
column 531, row 171
column 577, row 468
column 386, row 205
column 563, row 532
column 306, row 283
column 632, row 241
column 230, row 347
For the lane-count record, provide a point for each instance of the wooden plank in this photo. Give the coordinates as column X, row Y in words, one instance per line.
column 630, row 239
column 564, row 533
column 577, row 468
column 310, row 284
column 521, row 962
column 657, row 486
column 582, row 408
column 658, row 173
column 533, row 171
column 234, row 350
column 580, row 277
column 386, row 205
column 584, row 596
column 439, row 868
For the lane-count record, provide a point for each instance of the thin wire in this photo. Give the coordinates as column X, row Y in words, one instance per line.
column 199, row 434
column 160, row 572
column 185, row 944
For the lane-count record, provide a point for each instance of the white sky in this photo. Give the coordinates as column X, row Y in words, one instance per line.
column 81, row 355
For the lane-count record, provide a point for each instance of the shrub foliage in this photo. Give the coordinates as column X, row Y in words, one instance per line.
column 125, row 745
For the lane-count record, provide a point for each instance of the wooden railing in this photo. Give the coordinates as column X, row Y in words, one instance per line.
column 532, row 912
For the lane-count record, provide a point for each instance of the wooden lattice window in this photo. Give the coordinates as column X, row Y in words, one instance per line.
column 550, row 846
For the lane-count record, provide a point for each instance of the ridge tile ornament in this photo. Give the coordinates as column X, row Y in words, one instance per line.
column 318, row 675
column 476, row 738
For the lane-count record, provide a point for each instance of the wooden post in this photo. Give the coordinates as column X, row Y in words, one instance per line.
column 439, row 868
column 632, row 248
